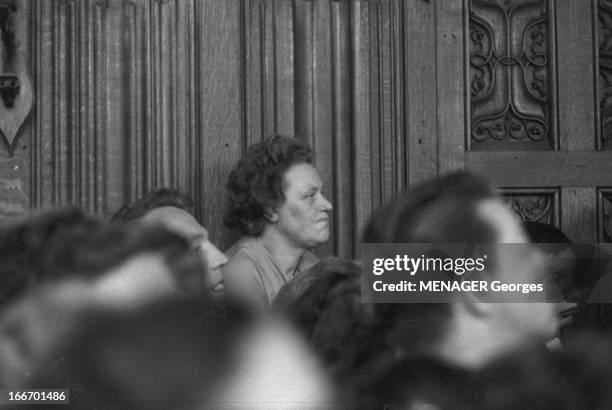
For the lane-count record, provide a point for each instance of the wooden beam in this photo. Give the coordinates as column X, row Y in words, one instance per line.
column 537, row 169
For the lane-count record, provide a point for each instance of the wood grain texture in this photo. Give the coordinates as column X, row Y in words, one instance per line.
column 387, row 93
column 604, row 215
column 284, row 66
column 361, row 147
column 576, row 85
column 342, row 138
column 421, row 104
column 15, row 175
column 529, row 169
column 133, row 95
column 219, row 65
column 579, row 213
column 534, row 204
column 451, row 89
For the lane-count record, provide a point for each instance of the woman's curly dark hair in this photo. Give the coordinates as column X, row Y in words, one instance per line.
column 256, row 184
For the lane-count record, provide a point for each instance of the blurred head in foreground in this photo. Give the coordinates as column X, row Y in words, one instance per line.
column 81, row 265
column 463, row 208
column 171, row 209
column 348, row 336
column 183, row 354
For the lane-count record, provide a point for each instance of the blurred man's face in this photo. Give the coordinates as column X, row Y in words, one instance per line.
column 524, row 264
column 184, row 224
column 140, row 279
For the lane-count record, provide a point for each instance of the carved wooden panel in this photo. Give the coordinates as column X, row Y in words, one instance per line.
column 604, row 20
column 14, row 147
column 511, row 75
column 13, row 188
column 136, row 94
column 604, row 224
column 538, row 205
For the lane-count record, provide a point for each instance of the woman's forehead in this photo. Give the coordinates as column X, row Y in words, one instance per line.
column 302, row 176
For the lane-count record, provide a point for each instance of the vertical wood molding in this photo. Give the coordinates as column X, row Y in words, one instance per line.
column 134, row 128
column 154, row 95
column 60, row 116
column 579, row 213
column 361, row 153
column 183, row 95
column 304, row 46
column 342, row 138
column 602, row 22
column 284, row 66
column 252, row 73
column 220, row 111
column 451, row 91
column 421, row 110
column 268, row 78
column 110, row 138
column 604, row 215
column 387, row 95
column 575, row 43
column 36, row 59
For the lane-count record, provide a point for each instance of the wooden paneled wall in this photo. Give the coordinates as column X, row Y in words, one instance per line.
column 137, row 94
column 134, row 95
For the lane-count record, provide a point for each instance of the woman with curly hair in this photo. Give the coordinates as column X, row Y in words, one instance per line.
column 276, row 200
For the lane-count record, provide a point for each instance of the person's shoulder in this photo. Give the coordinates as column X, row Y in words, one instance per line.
column 242, row 261
column 245, row 247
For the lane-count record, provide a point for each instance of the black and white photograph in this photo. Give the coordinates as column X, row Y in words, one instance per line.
column 306, row 204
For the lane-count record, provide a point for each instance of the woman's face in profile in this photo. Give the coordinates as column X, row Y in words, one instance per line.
column 303, row 218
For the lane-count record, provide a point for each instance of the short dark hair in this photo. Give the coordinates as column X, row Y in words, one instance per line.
column 255, row 185
column 346, row 334
column 441, row 211
column 324, row 275
column 153, row 199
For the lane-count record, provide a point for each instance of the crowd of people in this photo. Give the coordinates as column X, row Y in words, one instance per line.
column 142, row 310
